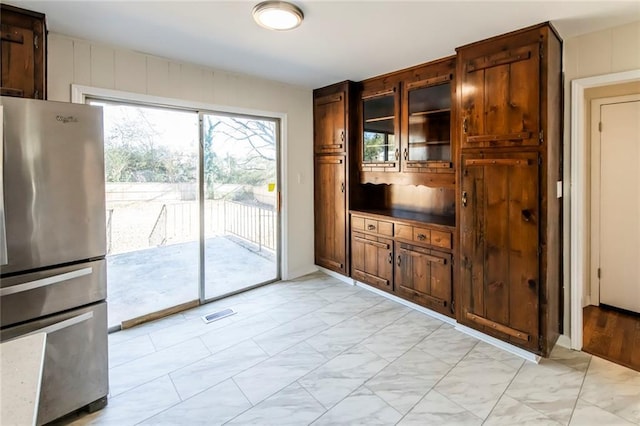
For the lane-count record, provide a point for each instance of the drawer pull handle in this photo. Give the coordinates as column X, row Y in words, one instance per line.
column 464, row 198
column 390, row 258
column 399, row 260
column 397, row 154
column 371, row 227
column 422, row 237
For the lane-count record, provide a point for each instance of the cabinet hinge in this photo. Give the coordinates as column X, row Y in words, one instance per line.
column 540, row 342
column 600, row 126
column 541, row 136
column 35, row 41
column 599, row 273
column 541, row 49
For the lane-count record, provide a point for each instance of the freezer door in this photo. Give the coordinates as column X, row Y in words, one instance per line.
column 75, row 369
column 29, row 296
column 53, row 183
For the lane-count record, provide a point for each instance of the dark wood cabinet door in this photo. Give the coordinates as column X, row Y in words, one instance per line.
column 500, row 220
column 330, row 212
column 22, row 70
column 372, row 260
column 424, row 276
column 330, row 124
column 500, row 98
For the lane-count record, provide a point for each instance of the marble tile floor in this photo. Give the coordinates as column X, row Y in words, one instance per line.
column 318, row 351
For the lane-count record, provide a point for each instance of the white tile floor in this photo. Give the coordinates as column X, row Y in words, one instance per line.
column 318, row 351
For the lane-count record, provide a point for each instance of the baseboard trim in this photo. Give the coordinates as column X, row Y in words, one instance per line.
column 407, row 303
column 564, row 341
column 292, row 275
column 334, row 274
column 528, row 356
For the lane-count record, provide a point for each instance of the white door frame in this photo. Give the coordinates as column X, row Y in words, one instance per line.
column 578, row 226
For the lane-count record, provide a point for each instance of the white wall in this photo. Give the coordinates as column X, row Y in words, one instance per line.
column 73, row 61
column 603, row 52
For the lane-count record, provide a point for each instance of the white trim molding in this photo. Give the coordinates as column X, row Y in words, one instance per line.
column 579, row 210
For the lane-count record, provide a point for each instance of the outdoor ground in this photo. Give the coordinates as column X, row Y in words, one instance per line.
column 144, row 281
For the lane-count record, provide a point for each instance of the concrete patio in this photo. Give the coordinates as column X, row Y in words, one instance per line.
column 145, row 281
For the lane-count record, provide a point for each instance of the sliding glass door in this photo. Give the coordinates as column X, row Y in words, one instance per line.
column 240, row 209
column 151, row 173
column 192, row 207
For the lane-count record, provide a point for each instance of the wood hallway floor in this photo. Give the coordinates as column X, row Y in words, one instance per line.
column 612, row 335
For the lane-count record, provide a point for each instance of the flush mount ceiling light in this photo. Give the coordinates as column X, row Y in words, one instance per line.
column 277, row 15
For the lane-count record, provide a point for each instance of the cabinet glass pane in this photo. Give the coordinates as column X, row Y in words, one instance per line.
column 379, row 142
column 430, row 123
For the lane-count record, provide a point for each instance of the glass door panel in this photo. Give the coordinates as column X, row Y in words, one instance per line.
column 429, row 130
column 151, row 166
column 240, row 203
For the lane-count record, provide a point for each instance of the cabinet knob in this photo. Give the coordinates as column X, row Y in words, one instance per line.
column 464, row 198
column 342, row 136
column 371, row 227
column 405, row 154
column 342, row 187
column 397, row 154
column 398, row 263
column 390, row 258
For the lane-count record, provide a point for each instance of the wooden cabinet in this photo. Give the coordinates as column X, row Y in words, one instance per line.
column 406, row 126
column 424, row 276
column 22, row 52
column 500, row 216
column 509, row 210
column 405, row 258
column 330, row 216
column 500, row 95
column 380, row 147
column 331, row 108
column 427, row 123
column 330, row 123
column 450, row 174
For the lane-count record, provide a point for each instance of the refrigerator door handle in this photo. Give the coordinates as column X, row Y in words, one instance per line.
column 4, row 258
column 61, row 325
column 45, row 281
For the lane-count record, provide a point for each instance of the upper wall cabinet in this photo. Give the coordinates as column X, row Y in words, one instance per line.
column 381, row 130
column 330, row 124
column 500, row 94
column 427, row 125
column 23, row 55
column 406, row 121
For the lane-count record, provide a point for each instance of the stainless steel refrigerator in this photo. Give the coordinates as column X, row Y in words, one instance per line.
column 53, row 246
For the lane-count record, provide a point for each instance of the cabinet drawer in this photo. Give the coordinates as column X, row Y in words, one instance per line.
column 422, row 235
column 404, row 231
column 372, row 226
column 441, row 239
column 357, row 222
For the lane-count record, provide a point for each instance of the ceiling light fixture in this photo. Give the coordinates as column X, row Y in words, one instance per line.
column 277, row 15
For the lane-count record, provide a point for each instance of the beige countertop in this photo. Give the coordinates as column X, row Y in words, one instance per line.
column 21, row 363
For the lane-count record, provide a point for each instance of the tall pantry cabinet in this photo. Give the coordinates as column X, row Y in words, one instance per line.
column 510, row 119
column 332, row 136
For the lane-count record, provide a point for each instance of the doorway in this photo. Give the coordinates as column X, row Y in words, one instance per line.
column 192, row 207
column 615, row 202
column 611, row 326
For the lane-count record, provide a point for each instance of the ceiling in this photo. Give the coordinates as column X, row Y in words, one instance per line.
column 338, row 40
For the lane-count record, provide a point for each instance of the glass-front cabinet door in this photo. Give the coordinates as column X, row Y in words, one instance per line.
column 428, row 125
column 380, row 135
